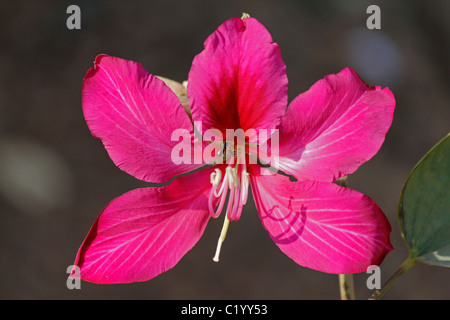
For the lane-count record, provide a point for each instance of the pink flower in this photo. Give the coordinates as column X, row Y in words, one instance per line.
column 238, row 81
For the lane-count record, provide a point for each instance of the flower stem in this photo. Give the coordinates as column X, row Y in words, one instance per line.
column 346, row 283
column 346, row 287
column 405, row 266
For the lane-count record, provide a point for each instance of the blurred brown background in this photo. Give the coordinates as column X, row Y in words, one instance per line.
column 55, row 177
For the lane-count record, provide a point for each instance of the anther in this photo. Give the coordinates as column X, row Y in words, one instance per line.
column 216, row 177
column 233, row 176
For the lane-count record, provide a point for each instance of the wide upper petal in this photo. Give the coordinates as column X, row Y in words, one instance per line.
column 334, row 127
column 145, row 231
column 134, row 114
column 322, row 226
column 239, row 80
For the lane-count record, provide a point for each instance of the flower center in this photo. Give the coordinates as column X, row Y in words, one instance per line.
column 236, row 179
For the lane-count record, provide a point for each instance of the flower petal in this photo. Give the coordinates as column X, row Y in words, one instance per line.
column 334, row 127
column 134, row 114
column 322, row 226
column 239, row 80
column 145, row 231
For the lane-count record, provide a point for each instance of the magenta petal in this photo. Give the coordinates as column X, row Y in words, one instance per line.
column 146, row 231
column 322, row 226
column 239, row 80
column 134, row 114
column 334, row 127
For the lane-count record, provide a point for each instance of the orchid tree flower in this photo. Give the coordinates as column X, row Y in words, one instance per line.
column 237, row 82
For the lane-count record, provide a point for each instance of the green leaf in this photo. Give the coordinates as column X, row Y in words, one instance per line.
column 424, row 207
column 439, row 257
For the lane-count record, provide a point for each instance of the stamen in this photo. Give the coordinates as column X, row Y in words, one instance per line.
column 216, row 213
column 235, row 214
column 223, row 234
column 233, row 176
column 238, row 185
column 215, row 177
column 215, row 180
column 230, row 202
column 245, row 184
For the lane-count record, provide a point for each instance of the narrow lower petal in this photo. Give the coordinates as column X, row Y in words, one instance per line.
column 322, row 226
column 239, row 80
column 135, row 114
column 334, row 127
column 145, row 231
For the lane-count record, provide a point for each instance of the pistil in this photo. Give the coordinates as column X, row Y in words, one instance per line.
column 223, row 234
